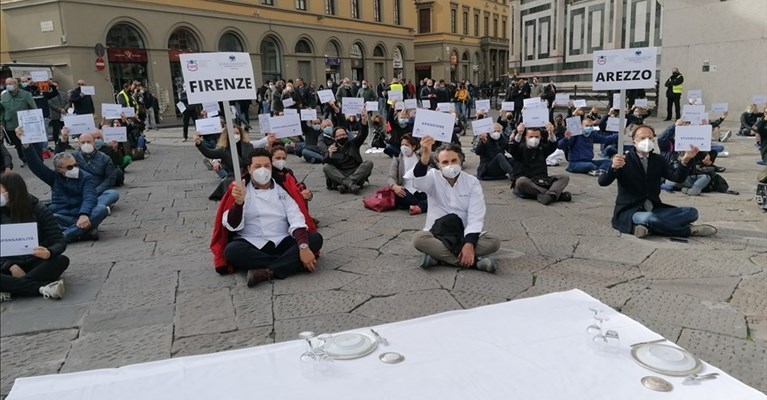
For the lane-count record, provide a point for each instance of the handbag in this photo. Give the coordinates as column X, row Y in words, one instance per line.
column 381, row 200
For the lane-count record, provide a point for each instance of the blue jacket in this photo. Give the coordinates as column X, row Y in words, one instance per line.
column 100, row 166
column 70, row 197
column 581, row 148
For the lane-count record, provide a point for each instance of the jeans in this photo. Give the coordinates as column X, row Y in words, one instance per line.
column 411, row 199
column 68, row 224
column 426, row 243
column 673, row 221
column 497, row 167
column 151, row 121
column 266, row 108
column 109, row 197
column 283, row 259
column 461, row 110
column 382, row 107
column 717, row 148
column 694, row 183
column 583, row 167
column 37, row 276
column 391, row 150
column 311, row 156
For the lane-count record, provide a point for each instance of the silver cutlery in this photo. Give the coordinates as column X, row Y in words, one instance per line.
column 649, row 342
column 697, row 378
column 380, row 338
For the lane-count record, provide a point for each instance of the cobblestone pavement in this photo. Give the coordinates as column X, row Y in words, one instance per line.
column 147, row 289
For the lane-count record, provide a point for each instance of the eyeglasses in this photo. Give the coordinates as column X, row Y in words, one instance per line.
column 80, row 84
column 71, row 167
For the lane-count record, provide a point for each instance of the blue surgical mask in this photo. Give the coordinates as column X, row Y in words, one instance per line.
column 402, row 122
column 24, row 84
column 10, row 88
column 587, row 131
column 99, row 143
column 316, row 127
column 327, row 131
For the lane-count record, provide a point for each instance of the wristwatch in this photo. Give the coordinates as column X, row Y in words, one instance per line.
column 303, row 246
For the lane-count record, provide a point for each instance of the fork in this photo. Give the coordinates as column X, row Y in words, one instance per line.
column 697, row 378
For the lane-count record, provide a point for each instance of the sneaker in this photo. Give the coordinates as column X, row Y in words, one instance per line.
column 355, row 188
column 256, row 276
column 342, row 189
column 702, row 230
column 427, row 261
column 415, row 210
column 719, row 169
column 566, row 197
column 54, row 290
column 726, row 136
column 92, row 234
column 5, row 296
column 23, row 164
column 486, row 264
column 545, row 199
column 760, row 162
column 109, row 211
column 685, row 190
column 208, row 164
column 641, row 231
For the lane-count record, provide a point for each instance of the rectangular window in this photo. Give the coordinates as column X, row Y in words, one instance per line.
column 504, row 27
column 397, row 16
column 301, row 5
column 424, row 20
column 267, row 2
column 330, row 7
column 476, row 24
column 356, row 9
column 465, row 22
column 495, row 27
column 453, row 23
column 487, row 25
column 377, row 10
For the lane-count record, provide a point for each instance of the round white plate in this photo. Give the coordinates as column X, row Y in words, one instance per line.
column 346, row 346
column 666, row 359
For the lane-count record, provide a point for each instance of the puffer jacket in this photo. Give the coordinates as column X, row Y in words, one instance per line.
column 48, row 234
column 70, row 197
column 100, row 166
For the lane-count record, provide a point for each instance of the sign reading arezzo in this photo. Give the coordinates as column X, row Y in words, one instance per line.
column 624, row 69
column 217, row 76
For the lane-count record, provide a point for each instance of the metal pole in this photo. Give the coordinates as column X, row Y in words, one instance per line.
column 621, row 120
column 232, row 144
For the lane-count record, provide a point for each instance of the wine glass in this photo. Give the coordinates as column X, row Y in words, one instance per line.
column 310, row 354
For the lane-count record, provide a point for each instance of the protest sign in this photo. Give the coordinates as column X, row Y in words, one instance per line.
column 285, row 126
column 445, row 107
column 693, row 113
column 574, row 126
column 562, row 98
column 640, row 103
column 288, row 102
column 18, row 239
column 411, row 104
column 88, row 90
column 720, row 108
column 613, row 125
column 181, row 106
column 482, row 105
column 326, row 96
column 115, row 134
column 309, row 114
column 692, row 135
column 507, row 106
column 536, row 117
column 580, row 104
column 436, row 124
column 352, row 105
column 624, row 69
column 111, row 111
column 39, row 76
column 33, row 123
column 217, row 76
column 208, row 126
column 483, row 125
column 79, row 124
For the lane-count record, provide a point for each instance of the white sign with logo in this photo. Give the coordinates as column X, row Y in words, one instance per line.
column 482, row 125
column 507, row 106
column 208, row 126
column 574, row 126
column 111, row 111
column 285, row 126
column 129, row 112
column 326, row 96
column 535, row 117
column 482, row 105
column 18, row 239
column 79, row 124
column 624, row 69
column 436, row 124
column 720, row 108
column 33, row 123
column 88, row 90
column 352, row 105
column 309, row 114
column 115, row 134
column 686, row 136
column 217, row 76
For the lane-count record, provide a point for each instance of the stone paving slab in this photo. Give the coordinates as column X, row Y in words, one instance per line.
column 35, row 354
column 213, row 343
column 408, row 305
column 308, row 304
column 388, row 284
column 204, row 311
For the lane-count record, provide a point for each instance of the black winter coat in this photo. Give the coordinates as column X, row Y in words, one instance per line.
column 48, row 235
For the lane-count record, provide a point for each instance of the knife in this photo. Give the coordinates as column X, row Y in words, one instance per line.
column 649, row 342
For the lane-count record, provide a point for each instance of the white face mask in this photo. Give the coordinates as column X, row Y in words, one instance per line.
column 236, row 138
column 73, row 173
column 262, row 175
column 87, row 148
column 279, row 164
column 406, row 150
column 495, row 135
column 3, row 199
column 645, row 145
column 364, row 85
column 451, row 171
column 533, row 142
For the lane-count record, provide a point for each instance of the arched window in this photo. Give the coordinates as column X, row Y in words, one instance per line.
column 379, row 51
column 183, row 39
column 303, row 47
column 124, row 36
column 465, row 57
column 271, row 59
column 229, row 41
column 332, row 49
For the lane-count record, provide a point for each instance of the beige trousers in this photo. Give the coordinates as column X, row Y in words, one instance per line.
column 426, row 243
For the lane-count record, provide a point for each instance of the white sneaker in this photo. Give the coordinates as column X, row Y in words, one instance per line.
column 726, row 136
column 702, row 230
column 5, row 296
column 486, row 264
column 724, row 154
column 53, row 290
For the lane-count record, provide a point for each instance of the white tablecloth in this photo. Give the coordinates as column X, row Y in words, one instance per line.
column 528, row 349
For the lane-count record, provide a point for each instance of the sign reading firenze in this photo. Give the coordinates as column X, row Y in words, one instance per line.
column 217, row 76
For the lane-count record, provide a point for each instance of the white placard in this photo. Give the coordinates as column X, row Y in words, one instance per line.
column 285, row 126
column 181, row 106
column 18, row 239
column 395, row 95
column 507, row 106
column 290, row 111
column 720, row 108
column 309, row 114
column 617, row 103
column 211, row 108
column 117, row 134
column 79, row 124
column 696, row 94
column 693, row 113
column 580, row 104
column 263, row 123
column 535, row 117
column 535, row 102
column 482, row 125
column 352, row 105
column 39, row 76
column 411, row 104
column 446, row 107
column 208, row 126
column 111, row 111
column 288, row 102
column 574, row 126
column 482, row 105
column 436, row 124
column 624, row 69
column 217, row 76
column 640, row 103
column 88, row 90
column 699, row 136
column 371, row 106
column 613, row 124
column 326, row 96
column 562, row 98
column 399, row 106
column 33, row 123
column 759, row 99
column 129, row 112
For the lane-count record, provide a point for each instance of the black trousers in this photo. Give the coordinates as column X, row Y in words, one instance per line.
column 411, row 199
column 56, row 125
column 673, row 100
column 38, row 275
column 188, row 118
column 283, row 259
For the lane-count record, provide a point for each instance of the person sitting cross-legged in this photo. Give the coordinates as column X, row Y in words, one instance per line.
column 37, row 273
column 271, row 239
column 401, row 178
column 580, row 149
column 100, row 166
column 453, row 232
column 638, row 208
column 74, row 202
column 491, row 149
column 532, row 179
column 344, row 168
